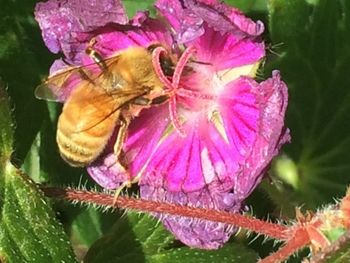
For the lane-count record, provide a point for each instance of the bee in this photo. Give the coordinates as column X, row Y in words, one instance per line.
column 108, row 93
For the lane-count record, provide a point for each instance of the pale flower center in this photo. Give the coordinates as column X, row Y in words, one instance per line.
column 200, row 91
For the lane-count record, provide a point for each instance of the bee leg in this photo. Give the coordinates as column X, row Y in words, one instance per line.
column 141, row 101
column 122, row 133
column 119, row 190
column 118, row 151
column 95, row 56
column 160, row 100
column 145, row 102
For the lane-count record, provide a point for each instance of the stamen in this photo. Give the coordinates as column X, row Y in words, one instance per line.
column 195, row 94
column 181, row 65
column 174, row 117
column 172, row 86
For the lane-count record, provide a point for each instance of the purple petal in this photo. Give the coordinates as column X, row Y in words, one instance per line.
column 187, row 25
column 112, row 40
column 272, row 99
column 203, row 170
column 66, row 25
column 253, row 116
column 107, row 172
column 194, row 232
column 224, row 18
column 189, row 17
column 227, row 51
column 140, row 145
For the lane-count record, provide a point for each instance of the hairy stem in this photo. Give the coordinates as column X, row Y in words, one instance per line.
column 269, row 229
column 299, row 240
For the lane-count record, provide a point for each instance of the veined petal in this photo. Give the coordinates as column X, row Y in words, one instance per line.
column 188, row 18
column 107, row 172
column 144, row 134
column 155, row 150
column 227, row 51
column 225, row 18
column 66, row 25
column 272, row 98
column 193, row 232
column 187, row 25
column 252, row 119
column 110, row 41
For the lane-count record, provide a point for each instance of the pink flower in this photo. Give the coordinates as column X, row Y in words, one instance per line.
column 223, row 129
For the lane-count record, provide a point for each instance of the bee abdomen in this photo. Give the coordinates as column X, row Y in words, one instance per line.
column 79, row 150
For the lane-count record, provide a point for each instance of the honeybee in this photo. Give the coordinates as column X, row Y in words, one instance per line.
column 108, row 93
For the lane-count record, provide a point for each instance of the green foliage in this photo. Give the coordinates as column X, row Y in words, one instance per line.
column 249, row 5
column 21, row 69
column 139, row 238
column 133, row 6
column 28, row 229
column 314, row 48
column 340, row 256
column 6, row 127
column 89, row 224
column 338, row 252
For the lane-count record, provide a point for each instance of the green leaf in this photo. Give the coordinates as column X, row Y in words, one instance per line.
column 6, row 127
column 337, row 252
column 132, row 7
column 248, row 5
column 229, row 253
column 29, row 231
column 315, row 62
column 127, row 239
column 139, row 238
column 90, row 224
column 21, row 68
column 282, row 22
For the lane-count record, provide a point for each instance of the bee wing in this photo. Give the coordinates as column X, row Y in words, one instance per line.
column 112, row 102
column 59, row 86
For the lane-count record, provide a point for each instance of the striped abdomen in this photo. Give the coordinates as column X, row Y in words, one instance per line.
column 85, row 125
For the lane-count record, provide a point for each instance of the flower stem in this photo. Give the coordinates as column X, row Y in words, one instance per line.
column 299, row 240
column 269, row 229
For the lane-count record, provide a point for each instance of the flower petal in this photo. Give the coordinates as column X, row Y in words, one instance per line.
column 272, row 98
column 227, row 51
column 144, row 134
column 107, row 172
column 224, row 18
column 145, row 31
column 257, row 111
column 65, row 25
column 194, row 232
column 187, row 18
column 187, row 25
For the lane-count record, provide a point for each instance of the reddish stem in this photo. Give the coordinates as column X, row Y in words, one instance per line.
column 300, row 239
column 269, row 229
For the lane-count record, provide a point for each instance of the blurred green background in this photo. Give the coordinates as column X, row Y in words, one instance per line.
column 308, row 41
